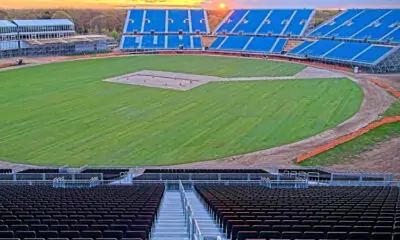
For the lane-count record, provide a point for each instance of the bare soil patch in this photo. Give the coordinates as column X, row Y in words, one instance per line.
column 161, row 79
column 382, row 157
column 184, row 81
column 391, row 79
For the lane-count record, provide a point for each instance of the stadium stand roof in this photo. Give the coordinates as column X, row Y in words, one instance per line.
column 43, row 22
column 5, row 23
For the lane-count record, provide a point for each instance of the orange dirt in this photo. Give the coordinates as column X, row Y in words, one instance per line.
column 347, row 138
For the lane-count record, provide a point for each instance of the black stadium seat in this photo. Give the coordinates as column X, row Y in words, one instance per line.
column 341, row 213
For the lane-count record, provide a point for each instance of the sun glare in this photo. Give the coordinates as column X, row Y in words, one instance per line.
column 222, row 6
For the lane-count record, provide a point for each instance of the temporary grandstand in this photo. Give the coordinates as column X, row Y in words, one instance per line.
column 367, row 39
column 131, row 203
column 164, row 29
column 44, row 37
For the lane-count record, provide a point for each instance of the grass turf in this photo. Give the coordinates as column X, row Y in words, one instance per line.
column 356, row 146
column 64, row 114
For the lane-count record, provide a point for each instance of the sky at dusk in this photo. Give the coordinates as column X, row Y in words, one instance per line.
column 199, row 3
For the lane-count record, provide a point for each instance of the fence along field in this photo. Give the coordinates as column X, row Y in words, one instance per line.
column 64, row 114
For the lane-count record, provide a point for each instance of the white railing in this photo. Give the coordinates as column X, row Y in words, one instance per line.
column 59, row 182
column 297, row 183
column 192, row 225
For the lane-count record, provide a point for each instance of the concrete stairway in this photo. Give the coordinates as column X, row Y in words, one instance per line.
column 207, row 225
column 170, row 224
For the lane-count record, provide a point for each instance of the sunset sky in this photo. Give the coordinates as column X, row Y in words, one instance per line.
column 199, row 3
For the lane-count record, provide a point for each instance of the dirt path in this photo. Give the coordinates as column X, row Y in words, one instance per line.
column 382, row 157
column 376, row 101
column 391, row 79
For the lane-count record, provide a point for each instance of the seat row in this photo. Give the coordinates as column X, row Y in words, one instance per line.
column 243, row 234
column 356, row 52
column 266, row 21
column 161, row 42
column 166, row 21
column 99, row 212
column 75, row 234
column 357, row 212
column 361, row 24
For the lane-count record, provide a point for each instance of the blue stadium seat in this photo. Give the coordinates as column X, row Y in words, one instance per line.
column 236, row 43
column 347, row 50
column 162, row 21
column 252, row 21
column 300, row 47
column 261, row 44
column 328, row 26
column 134, row 21
column 178, row 20
column 356, row 24
column 372, row 54
column 197, row 42
column 231, row 21
column 175, row 41
column 299, row 22
column 217, row 42
column 130, row 42
column 279, row 45
column 276, row 22
column 370, row 24
column 334, row 23
column 199, row 20
column 153, row 41
column 319, row 48
column 266, row 21
column 382, row 27
column 155, row 21
column 394, row 36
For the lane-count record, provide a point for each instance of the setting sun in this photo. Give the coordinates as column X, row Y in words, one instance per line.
column 222, row 5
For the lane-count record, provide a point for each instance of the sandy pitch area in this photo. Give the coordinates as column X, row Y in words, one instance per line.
column 184, row 81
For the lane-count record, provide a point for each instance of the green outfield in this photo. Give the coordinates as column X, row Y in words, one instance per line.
column 63, row 113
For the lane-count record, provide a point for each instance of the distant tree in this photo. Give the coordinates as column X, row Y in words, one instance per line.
column 114, row 34
column 45, row 15
column 3, row 14
column 61, row 14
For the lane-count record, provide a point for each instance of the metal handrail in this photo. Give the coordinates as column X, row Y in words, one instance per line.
column 192, row 225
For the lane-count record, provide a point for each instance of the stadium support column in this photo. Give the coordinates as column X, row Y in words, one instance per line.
column 332, row 49
column 308, row 23
column 223, row 21
column 143, row 21
column 367, row 26
column 207, row 23
column 190, row 21
column 127, row 21
column 288, row 23
column 390, row 33
column 262, row 23
column 360, row 53
column 166, row 20
column 344, row 23
column 241, row 20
